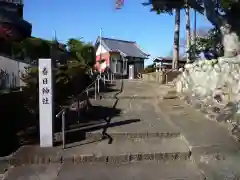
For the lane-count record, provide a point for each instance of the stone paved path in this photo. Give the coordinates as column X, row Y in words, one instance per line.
column 151, row 138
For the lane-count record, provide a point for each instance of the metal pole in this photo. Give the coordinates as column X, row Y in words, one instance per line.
column 100, row 42
column 78, row 110
column 98, row 84
column 104, row 79
column 95, row 89
column 166, row 77
column 63, row 129
column 111, row 77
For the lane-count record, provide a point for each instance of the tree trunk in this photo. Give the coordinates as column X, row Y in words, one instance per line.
column 195, row 33
column 176, row 40
column 188, row 31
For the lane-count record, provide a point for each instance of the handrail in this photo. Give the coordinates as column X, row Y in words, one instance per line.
column 76, row 98
column 63, row 112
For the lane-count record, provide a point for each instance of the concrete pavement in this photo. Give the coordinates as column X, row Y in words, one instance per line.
column 152, row 138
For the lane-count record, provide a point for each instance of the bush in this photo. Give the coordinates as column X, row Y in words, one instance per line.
column 70, row 80
column 14, row 118
column 149, row 70
column 20, row 110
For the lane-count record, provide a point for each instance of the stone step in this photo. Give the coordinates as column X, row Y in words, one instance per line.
column 203, row 135
column 148, row 170
column 127, row 119
column 105, row 151
column 142, row 171
column 94, row 136
column 93, row 131
column 205, row 168
column 170, row 92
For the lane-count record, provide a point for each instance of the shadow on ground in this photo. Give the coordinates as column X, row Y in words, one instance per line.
column 95, row 115
column 95, row 118
column 104, row 88
column 75, row 136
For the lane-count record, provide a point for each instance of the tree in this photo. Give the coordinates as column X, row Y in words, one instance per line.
column 150, row 68
column 81, row 51
column 209, row 42
column 71, row 79
column 176, row 40
column 218, row 12
column 167, row 8
column 188, row 30
column 194, row 32
column 30, row 48
column 89, row 54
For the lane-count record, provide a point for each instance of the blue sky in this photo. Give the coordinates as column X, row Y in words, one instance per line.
column 82, row 18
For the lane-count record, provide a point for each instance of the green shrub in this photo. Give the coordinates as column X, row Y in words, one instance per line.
column 149, row 70
column 70, row 80
column 21, row 109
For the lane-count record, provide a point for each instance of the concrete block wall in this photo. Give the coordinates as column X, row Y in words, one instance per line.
column 13, row 70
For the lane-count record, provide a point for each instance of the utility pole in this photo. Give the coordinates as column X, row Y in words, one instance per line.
column 100, row 42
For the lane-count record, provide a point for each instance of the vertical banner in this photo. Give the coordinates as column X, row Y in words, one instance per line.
column 45, row 102
column 119, row 4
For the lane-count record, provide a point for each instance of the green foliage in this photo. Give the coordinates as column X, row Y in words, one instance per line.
column 165, row 6
column 209, row 42
column 150, row 68
column 35, row 48
column 81, row 51
column 227, row 4
column 32, row 48
column 70, row 80
column 14, row 118
column 224, row 9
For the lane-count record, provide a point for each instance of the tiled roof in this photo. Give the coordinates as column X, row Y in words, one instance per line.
column 128, row 48
column 13, row 1
column 182, row 59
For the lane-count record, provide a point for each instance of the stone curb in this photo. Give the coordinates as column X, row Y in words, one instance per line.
column 131, row 97
column 115, row 159
column 124, row 136
column 127, row 136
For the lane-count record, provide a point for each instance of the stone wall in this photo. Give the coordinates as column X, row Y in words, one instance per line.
column 154, row 76
column 213, row 87
column 161, row 77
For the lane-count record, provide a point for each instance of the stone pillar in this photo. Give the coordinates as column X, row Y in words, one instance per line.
column 46, row 102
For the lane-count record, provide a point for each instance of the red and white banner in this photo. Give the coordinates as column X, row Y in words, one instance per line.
column 119, row 4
